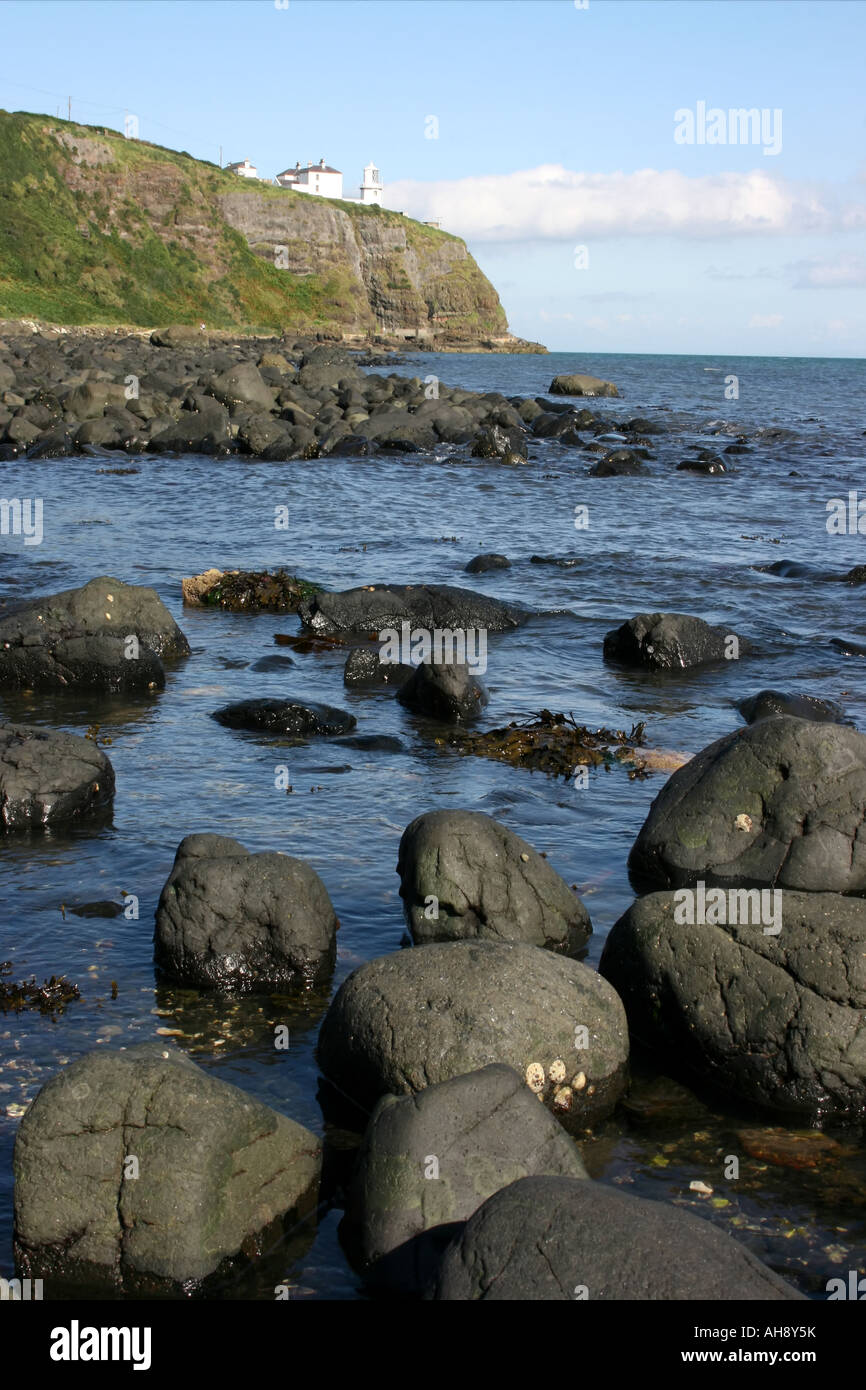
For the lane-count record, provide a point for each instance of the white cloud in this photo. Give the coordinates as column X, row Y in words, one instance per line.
column 555, row 203
column 765, row 320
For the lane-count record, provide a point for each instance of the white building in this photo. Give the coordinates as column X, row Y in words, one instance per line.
column 244, row 169
column 313, row 178
column 372, row 188
column 328, row 183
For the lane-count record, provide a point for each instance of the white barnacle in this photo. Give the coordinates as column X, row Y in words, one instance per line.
column 743, row 822
column 535, row 1077
column 562, row 1098
column 578, row 1082
column 557, row 1071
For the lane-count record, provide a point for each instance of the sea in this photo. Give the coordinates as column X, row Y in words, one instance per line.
column 665, row 541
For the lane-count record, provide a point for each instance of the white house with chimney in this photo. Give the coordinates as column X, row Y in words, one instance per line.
column 327, row 182
column 318, row 178
column 244, row 169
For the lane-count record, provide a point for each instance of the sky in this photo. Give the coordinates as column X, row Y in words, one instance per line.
column 564, row 141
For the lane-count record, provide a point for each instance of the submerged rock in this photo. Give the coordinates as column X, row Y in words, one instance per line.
column 554, row 743
column 763, row 999
column 465, row 876
column 136, row 1173
column 671, row 642
column 428, row 1161
column 405, row 1021
column 480, row 564
column 768, row 704
column 285, row 717
column 377, row 607
column 449, row 691
column 556, row 1239
column 228, row 919
column 47, row 777
column 364, row 666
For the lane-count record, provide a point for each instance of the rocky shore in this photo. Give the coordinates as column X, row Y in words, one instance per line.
column 472, row 1064
column 183, row 390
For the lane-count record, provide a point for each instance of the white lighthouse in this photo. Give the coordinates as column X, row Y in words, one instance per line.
column 372, row 187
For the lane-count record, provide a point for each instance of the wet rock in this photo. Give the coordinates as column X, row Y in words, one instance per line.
column 463, row 875
column 449, row 691
column 781, row 803
column 106, row 635
column 285, row 717
column 800, row 1149
column 214, row 1169
column 711, row 463
column 767, row 704
column 272, row 663
column 371, row 743
column 556, row 744
column 228, row 919
column 618, row 463
column 498, row 442
column 428, row 1161
column 767, row 1007
column 482, row 563
column 405, row 1021
column 364, row 666
column 375, row 607
column 671, row 642
column 556, row 1239
column 580, row 385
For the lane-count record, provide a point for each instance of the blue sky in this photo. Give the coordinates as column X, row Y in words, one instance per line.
column 554, row 153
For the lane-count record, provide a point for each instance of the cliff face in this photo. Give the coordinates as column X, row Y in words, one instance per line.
column 98, row 229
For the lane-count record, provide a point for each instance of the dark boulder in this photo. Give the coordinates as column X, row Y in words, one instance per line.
column 228, row 919
column 214, row 1169
column 48, row 777
column 447, row 690
column 364, row 666
column 555, row 1239
column 671, row 642
column 760, row 994
column 463, row 875
column 106, row 635
column 767, row 704
column 405, row 1021
column 285, row 717
column 482, row 563
column 780, row 803
column 373, row 608
column 428, row 1161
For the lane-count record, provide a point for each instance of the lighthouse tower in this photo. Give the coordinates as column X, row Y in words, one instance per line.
column 371, row 188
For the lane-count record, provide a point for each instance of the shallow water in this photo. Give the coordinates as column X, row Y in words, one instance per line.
column 666, row 541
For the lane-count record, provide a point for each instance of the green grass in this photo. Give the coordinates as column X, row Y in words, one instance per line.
column 76, row 246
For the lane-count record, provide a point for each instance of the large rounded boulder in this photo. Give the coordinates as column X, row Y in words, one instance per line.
column 106, row 636
column 554, row 1239
column 408, row 1020
column 760, row 992
column 228, row 919
column 428, row 1161
column 780, row 803
column 48, row 777
column 464, row 875
column 137, row 1173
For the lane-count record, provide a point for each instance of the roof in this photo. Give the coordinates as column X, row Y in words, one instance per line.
column 308, row 169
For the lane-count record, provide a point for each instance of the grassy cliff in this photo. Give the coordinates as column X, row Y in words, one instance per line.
column 96, row 229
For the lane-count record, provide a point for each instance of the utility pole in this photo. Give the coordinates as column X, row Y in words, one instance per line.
column 69, row 108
